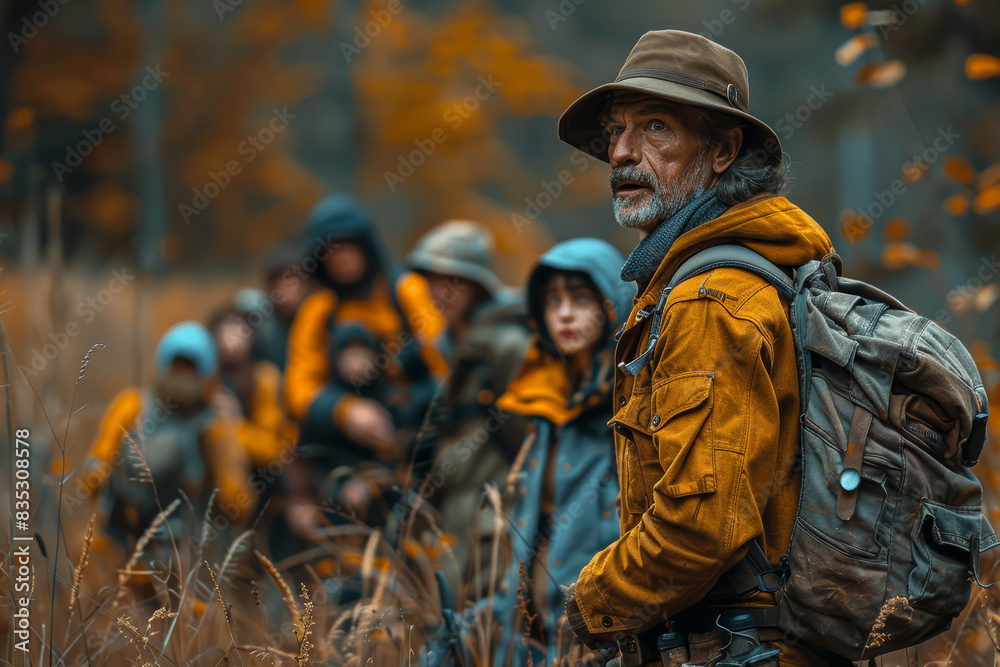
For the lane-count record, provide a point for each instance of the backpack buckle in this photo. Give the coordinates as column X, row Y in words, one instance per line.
column 633, row 367
column 780, row 570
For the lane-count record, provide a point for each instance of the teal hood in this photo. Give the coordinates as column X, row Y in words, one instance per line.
column 601, row 262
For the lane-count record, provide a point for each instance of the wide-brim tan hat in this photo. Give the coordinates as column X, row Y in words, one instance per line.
column 678, row 66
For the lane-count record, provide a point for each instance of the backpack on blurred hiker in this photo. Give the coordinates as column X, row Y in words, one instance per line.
column 893, row 415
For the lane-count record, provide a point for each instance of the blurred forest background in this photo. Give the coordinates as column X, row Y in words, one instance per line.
column 153, row 151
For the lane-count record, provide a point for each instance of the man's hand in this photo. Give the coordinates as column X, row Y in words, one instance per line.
column 370, row 425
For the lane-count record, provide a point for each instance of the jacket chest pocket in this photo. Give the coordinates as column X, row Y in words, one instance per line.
column 657, row 433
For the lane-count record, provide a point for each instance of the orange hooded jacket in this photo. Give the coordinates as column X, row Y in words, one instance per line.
column 707, row 434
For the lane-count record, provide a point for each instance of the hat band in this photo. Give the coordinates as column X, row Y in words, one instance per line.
column 681, row 78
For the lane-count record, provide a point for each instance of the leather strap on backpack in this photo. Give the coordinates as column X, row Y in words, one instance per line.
column 850, row 476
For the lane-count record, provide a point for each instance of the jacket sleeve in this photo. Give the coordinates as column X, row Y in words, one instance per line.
column 424, row 320
column 267, row 430
column 310, row 399
column 229, row 465
column 716, row 440
column 119, row 418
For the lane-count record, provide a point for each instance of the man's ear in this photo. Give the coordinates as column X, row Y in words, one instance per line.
column 727, row 149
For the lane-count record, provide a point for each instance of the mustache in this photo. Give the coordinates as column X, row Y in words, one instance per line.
column 632, row 173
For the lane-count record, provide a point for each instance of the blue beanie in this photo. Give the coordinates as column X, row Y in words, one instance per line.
column 190, row 340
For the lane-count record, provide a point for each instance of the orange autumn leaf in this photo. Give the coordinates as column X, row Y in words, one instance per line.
column 854, row 227
column 853, row 15
column 982, row 66
column 984, row 299
column 853, row 48
column 959, row 170
column 881, row 75
column 915, row 171
column 989, row 177
column 899, row 255
column 987, row 200
column 896, row 228
column 957, row 204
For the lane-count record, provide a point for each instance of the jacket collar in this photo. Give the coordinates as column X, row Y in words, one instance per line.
column 767, row 224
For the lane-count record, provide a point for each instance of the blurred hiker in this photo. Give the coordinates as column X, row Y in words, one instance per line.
column 563, row 482
column 706, row 395
column 471, row 442
column 251, row 393
column 287, row 286
column 344, row 475
column 358, row 285
column 186, row 441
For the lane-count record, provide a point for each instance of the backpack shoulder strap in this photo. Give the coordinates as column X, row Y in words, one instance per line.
column 726, row 255
column 734, row 256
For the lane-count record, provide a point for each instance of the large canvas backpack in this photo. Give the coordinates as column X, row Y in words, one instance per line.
column 889, row 528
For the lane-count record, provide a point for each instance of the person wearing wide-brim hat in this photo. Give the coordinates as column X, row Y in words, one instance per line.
column 706, row 414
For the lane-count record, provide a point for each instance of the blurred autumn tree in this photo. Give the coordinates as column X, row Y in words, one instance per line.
column 210, row 77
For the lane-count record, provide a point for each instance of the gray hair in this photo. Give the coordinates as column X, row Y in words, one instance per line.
column 754, row 171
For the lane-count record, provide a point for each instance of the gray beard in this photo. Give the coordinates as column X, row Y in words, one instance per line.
column 667, row 199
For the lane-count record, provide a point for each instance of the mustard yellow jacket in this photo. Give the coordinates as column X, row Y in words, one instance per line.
column 707, row 434
column 309, row 396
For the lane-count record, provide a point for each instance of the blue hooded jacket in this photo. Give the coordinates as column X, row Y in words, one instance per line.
column 584, row 520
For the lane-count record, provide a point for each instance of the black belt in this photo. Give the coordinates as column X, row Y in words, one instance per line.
column 706, row 619
column 642, row 648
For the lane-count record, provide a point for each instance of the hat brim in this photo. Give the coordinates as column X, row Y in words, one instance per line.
column 488, row 280
column 579, row 126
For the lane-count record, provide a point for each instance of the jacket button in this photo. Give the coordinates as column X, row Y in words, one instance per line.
column 607, row 622
column 656, row 420
column 622, row 401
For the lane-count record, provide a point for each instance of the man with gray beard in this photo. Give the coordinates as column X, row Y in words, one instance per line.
column 706, row 394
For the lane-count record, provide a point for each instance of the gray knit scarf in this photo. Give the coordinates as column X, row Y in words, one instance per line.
column 645, row 258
